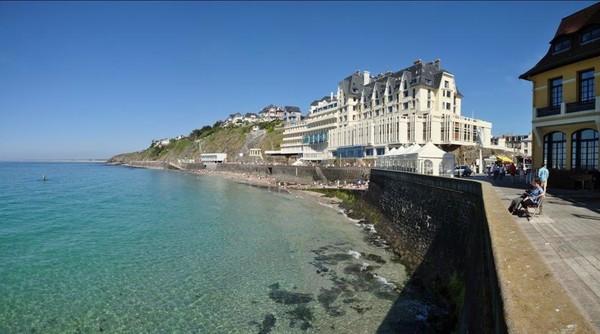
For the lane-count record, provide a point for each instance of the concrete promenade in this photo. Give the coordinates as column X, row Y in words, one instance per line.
column 567, row 236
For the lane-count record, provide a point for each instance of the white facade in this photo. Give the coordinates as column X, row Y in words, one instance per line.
column 428, row 160
column 370, row 115
column 519, row 144
column 213, row 157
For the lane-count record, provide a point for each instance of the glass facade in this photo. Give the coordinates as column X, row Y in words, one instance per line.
column 315, row 138
column 556, row 92
column 350, row 152
column 586, row 86
column 555, row 144
column 584, row 150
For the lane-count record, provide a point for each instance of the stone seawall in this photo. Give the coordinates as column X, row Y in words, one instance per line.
column 297, row 174
column 438, row 227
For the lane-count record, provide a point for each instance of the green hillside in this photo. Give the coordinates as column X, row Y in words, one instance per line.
column 232, row 140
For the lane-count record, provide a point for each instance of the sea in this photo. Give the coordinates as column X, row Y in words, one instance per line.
column 101, row 248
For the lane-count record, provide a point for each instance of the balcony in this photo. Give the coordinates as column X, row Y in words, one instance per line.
column 581, row 106
column 548, row 111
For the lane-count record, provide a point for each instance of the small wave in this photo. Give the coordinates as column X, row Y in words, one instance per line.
column 354, row 254
column 383, row 281
column 368, row 227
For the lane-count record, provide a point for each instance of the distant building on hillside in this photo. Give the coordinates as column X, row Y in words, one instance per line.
column 213, row 157
column 291, row 114
column 519, row 144
column 269, row 113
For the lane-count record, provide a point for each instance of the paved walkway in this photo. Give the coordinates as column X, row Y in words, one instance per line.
column 567, row 236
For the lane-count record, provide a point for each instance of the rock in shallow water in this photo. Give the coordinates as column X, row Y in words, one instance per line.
column 267, row 324
column 281, row 296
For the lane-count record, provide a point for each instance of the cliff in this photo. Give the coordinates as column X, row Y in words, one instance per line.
column 236, row 141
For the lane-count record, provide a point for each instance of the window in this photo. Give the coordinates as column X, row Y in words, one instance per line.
column 405, row 93
column 556, row 92
column 428, row 104
column 561, row 45
column 555, row 150
column 428, row 81
column 590, row 34
column 446, row 84
column 584, row 150
column 404, row 105
column 586, row 86
column 428, row 167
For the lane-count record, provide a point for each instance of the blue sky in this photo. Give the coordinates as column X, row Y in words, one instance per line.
column 83, row 80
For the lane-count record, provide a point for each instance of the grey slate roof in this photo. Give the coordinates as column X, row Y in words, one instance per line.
column 570, row 28
column 421, row 73
column 352, row 85
column 326, row 98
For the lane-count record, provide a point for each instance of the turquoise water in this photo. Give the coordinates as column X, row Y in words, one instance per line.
column 99, row 248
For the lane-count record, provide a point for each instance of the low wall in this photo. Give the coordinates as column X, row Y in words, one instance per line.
column 437, row 225
column 459, row 241
column 297, row 174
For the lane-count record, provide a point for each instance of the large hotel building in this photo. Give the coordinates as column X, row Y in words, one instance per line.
column 369, row 115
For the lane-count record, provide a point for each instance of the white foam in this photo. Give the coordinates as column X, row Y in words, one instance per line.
column 383, row 281
column 354, row 254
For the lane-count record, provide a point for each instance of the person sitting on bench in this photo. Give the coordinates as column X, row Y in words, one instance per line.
column 529, row 198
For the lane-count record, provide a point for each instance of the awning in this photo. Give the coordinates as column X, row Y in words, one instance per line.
column 502, row 158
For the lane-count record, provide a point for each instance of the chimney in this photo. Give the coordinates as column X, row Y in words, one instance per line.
column 331, row 96
column 367, row 78
column 437, row 64
column 418, row 62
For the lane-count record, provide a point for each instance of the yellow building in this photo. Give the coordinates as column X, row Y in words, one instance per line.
column 566, row 110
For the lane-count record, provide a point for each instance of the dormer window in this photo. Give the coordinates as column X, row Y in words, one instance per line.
column 590, row 34
column 561, row 45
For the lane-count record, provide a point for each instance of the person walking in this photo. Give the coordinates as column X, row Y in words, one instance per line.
column 522, row 171
column 513, row 171
column 543, row 174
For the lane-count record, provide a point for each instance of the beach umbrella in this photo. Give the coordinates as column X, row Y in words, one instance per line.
column 502, row 158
